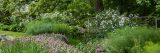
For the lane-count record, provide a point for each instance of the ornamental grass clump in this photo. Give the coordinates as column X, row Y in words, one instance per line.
column 122, row 40
column 38, row 27
column 41, row 26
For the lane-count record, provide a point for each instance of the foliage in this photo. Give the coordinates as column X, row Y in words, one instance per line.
column 70, row 6
column 151, row 47
column 18, row 24
column 39, row 27
column 89, row 47
column 142, row 7
column 158, row 8
column 9, row 8
column 23, row 47
column 12, row 14
column 4, row 27
column 60, row 16
column 107, row 21
column 122, row 40
column 57, row 17
column 62, row 28
column 13, row 27
column 80, row 8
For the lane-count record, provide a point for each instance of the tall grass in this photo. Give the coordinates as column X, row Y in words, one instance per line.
column 151, row 47
column 37, row 27
column 23, row 47
column 41, row 26
column 122, row 40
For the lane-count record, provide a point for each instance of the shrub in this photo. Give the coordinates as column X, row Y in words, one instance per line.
column 150, row 47
column 13, row 27
column 43, row 26
column 4, row 27
column 16, row 24
column 107, row 21
column 62, row 28
column 23, row 47
column 37, row 27
column 57, row 16
column 122, row 40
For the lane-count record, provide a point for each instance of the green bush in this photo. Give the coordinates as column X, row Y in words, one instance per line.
column 62, row 28
column 37, row 27
column 43, row 26
column 89, row 47
column 122, row 40
column 4, row 27
column 12, row 27
column 17, row 24
column 152, row 48
column 23, row 47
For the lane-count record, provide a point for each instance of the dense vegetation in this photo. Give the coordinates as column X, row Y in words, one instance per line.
column 131, row 39
column 117, row 26
column 23, row 47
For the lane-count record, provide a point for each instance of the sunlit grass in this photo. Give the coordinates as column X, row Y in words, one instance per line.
column 14, row 34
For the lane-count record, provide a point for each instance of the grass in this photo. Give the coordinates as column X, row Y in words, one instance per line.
column 43, row 26
column 23, row 47
column 151, row 47
column 122, row 40
column 14, row 34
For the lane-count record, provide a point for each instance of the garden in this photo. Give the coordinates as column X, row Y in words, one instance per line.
column 79, row 26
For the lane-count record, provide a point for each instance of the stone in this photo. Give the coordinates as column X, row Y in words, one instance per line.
column 4, row 37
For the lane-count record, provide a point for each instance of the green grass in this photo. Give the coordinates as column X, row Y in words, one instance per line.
column 151, row 47
column 14, row 34
column 123, row 40
column 43, row 26
column 24, row 47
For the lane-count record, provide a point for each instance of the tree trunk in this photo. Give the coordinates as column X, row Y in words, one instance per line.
column 99, row 5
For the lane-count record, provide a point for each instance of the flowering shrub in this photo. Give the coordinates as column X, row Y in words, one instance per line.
column 56, row 16
column 107, row 21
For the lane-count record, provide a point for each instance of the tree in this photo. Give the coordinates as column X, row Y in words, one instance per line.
column 99, row 5
column 141, row 7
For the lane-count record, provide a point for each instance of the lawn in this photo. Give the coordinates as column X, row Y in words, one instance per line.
column 14, row 34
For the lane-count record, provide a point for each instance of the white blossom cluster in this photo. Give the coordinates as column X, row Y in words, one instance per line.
column 107, row 21
column 54, row 15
